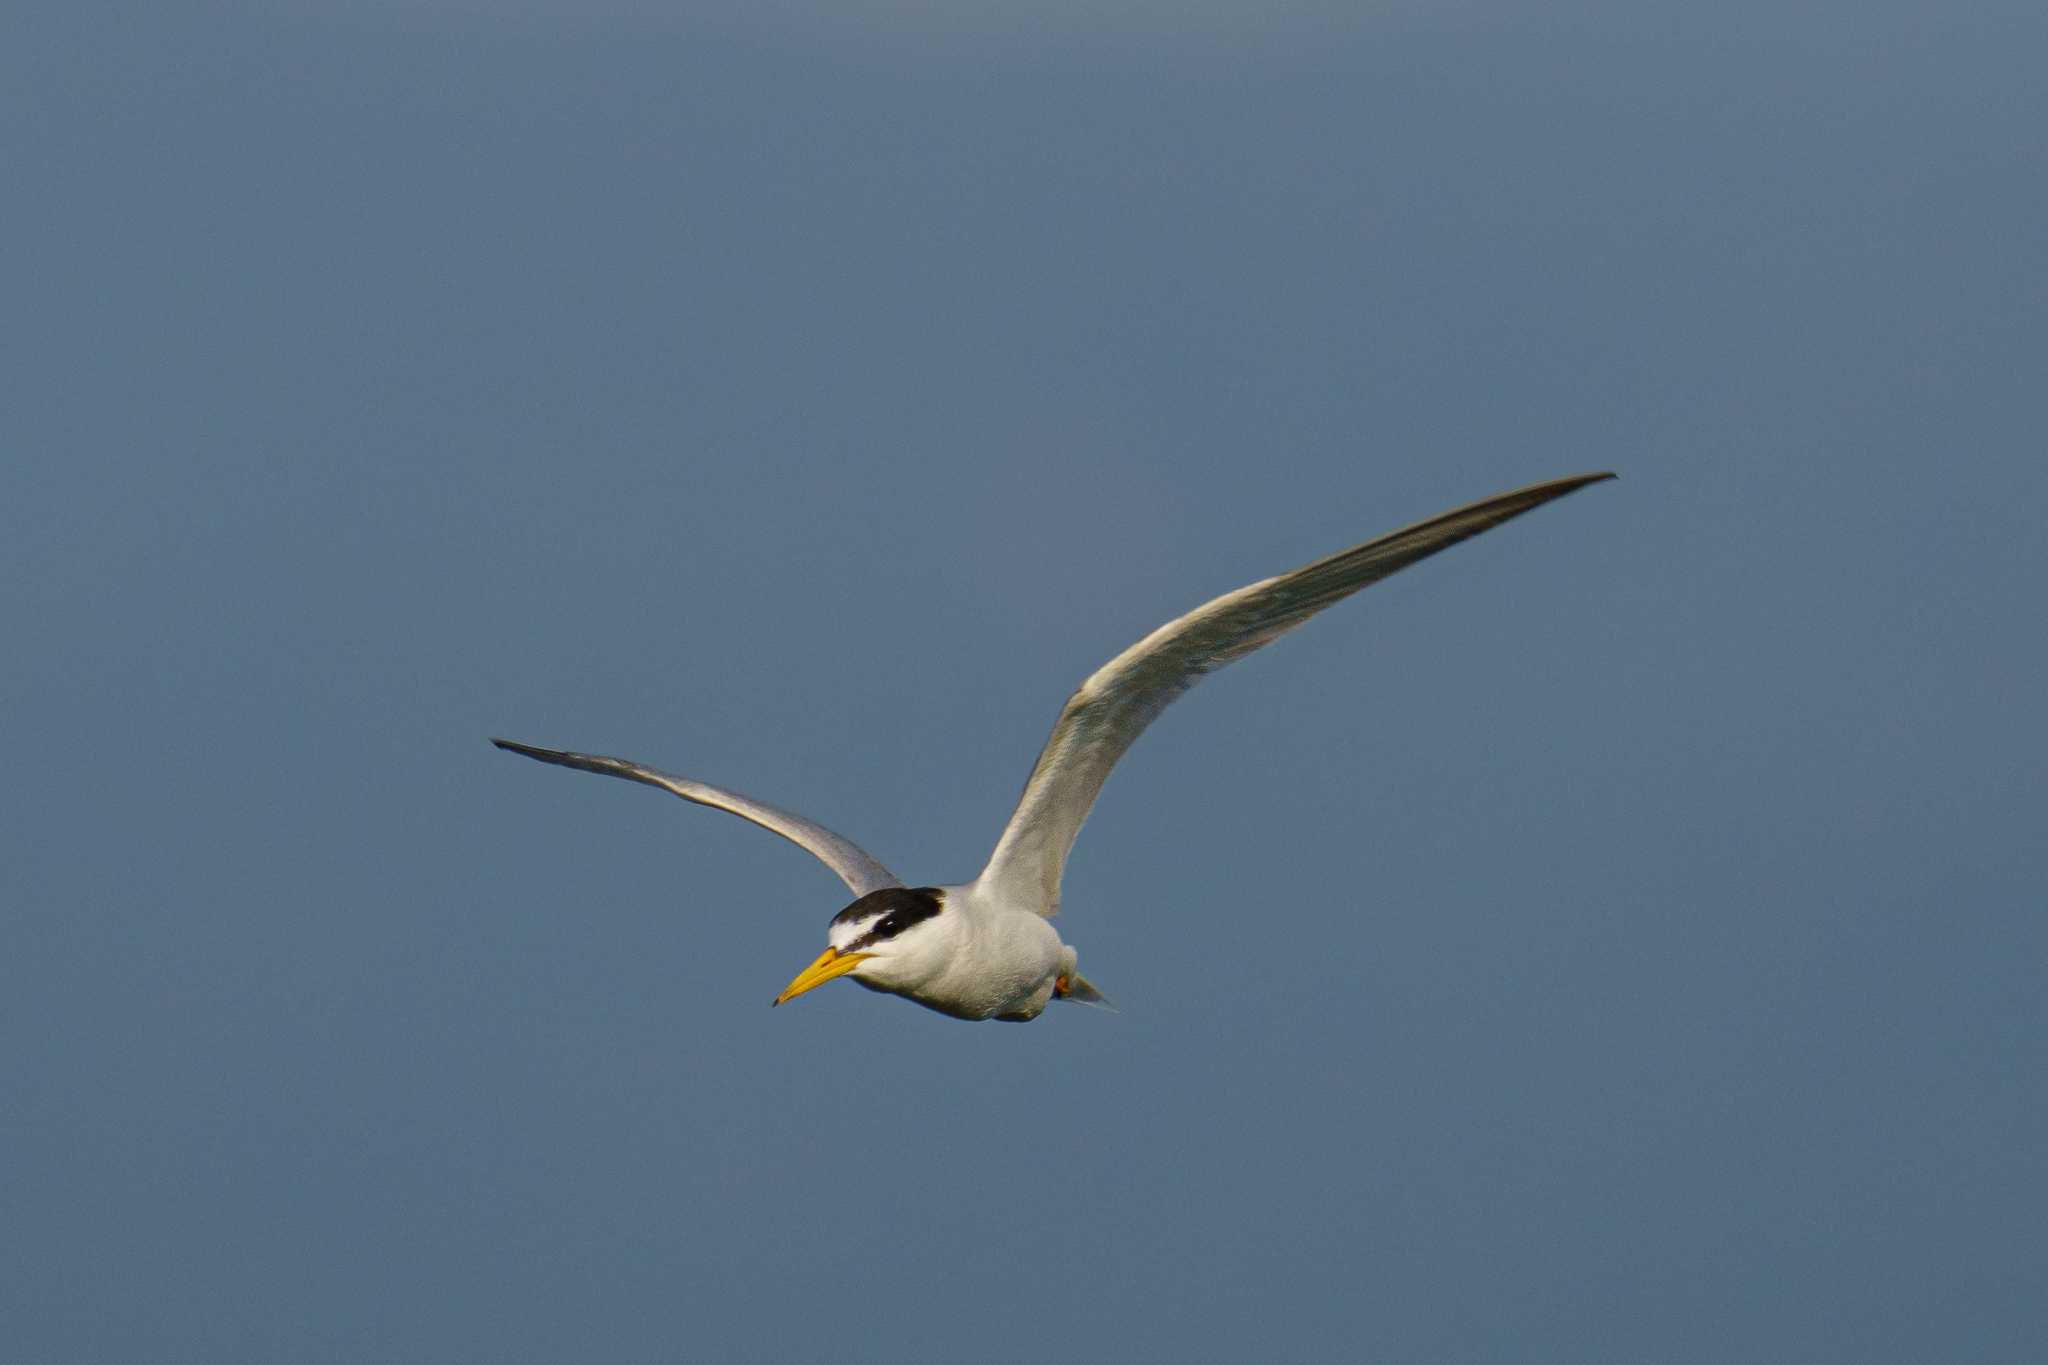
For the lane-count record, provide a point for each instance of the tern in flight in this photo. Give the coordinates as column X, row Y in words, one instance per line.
column 987, row 949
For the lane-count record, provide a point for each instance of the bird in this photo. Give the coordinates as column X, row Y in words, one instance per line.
column 987, row 949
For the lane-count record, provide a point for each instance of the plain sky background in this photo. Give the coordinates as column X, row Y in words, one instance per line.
column 1620, row 939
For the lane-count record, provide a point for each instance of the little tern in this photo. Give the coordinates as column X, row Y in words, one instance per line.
column 986, row 949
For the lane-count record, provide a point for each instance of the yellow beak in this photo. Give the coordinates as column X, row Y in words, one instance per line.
column 830, row 963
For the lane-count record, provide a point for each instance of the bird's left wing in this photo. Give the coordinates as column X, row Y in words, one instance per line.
column 1113, row 707
column 860, row 872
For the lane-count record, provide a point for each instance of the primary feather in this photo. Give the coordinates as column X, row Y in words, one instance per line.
column 859, row 871
column 1116, row 703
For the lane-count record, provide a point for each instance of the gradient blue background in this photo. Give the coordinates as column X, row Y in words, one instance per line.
column 1621, row 939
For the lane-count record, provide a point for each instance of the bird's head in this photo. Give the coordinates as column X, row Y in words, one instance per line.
column 887, row 940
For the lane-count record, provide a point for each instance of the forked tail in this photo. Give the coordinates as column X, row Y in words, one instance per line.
column 1081, row 991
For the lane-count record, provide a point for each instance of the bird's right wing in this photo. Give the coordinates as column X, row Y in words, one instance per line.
column 1113, row 707
column 860, row 872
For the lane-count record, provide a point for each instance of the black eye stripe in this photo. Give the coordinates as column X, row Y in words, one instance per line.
column 891, row 910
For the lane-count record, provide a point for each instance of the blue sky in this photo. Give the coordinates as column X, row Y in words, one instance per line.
column 1618, row 939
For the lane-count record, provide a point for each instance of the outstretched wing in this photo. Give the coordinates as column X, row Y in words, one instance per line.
column 1113, row 707
column 860, row 872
